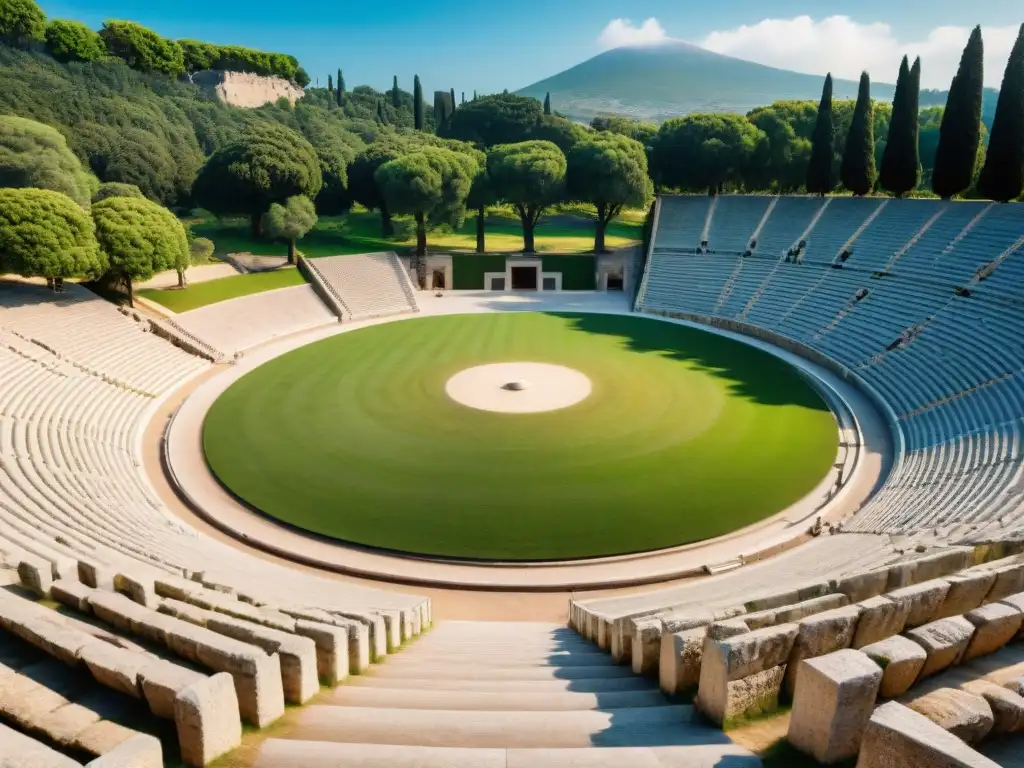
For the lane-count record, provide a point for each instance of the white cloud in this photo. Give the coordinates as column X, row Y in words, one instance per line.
column 845, row 47
column 621, row 32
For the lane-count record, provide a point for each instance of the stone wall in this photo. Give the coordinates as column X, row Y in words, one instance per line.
column 242, row 89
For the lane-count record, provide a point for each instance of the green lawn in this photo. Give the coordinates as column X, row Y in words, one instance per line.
column 569, row 230
column 210, row 292
column 685, row 436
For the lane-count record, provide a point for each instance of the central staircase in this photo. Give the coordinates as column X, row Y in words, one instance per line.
column 500, row 695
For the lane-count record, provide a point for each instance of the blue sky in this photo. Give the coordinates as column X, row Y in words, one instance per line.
column 491, row 46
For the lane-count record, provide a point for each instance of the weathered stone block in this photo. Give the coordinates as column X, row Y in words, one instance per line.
column 96, row 575
column 967, row 590
column 331, row 650
column 901, row 661
column 751, row 696
column 646, row 639
column 679, row 667
column 835, row 696
column 161, row 682
column 863, row 586
column 923, row 600
column 1007, row 706
column 880, row 618
column 1009, row 581
column 944, row 641
column 898, row 737
column 962, row 714
column 139, row 751
column 995, row 625
column 721, row 630
column 35, row 576
column 206, row 715
column 946, row 561
column 73, row 594
column 792, row 613
column 116, row 668
column 1015, row 601
column 820, row 634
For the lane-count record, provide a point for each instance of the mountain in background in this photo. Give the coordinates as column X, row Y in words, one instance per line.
column 676, row 78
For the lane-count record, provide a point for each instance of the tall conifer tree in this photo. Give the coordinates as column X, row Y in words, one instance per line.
column 547, row 103
column 341, row 88
column 960, row 131
column 901, row 162
column 417, row 104
column 820, row 176
column 1002, row 178
column 858, row 171
column 396, row 97
column 330, row 84
column 454, row 102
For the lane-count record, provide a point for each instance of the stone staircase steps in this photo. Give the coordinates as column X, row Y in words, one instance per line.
column 279, row 753
column 492, row 700
column 590, row 658
column 580, row 685
column 439, row 671
column 646, row 726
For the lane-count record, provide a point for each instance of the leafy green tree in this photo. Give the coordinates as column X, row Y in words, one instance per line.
column 291, row 221
column 858, row 172
column 198, row 55
column 200, row 251
column 960, row 132
column 780, row 162
column 362, row 179
column 610, row 172
column 268, row 164
column 1002, row 178
column 901, row 162
column 36, row 155
column 46, row 234
column 142, row 48
column 140, row 238
column 22, row 22
column 116, row 189
column 432, row 184
column 481, row 195
column 563, row 133
column 547, row 103
column 141, row 158
column 73, row 41
column 499, row 119
column 530, row 176
column 417, row 104
column 704, row 151
column 820, row 172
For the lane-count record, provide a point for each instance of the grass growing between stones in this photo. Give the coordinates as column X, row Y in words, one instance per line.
column 685, row 436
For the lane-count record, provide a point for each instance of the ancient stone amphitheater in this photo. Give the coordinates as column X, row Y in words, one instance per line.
column 144, row 624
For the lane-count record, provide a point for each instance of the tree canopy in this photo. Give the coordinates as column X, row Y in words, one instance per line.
column 858, row 171
column 900, row 172
column 73, row 41
column 116, row 189
column 503, row 118
column 530, row 176
column 22, row 22
column 609, row 171
column 139, row 238
column 704, row 151
column 36, row 155
column 268, row 164
column 1002, row 178
column 291, row 221
column 960, row 132
column 47, row 234
column 820, row 172
column 142, row 48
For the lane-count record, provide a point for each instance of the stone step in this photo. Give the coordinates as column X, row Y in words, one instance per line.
column 279, row 753
column 494, row 700
column 516, row 658
column 472, row 671
column 640, row 727
column 594, row 685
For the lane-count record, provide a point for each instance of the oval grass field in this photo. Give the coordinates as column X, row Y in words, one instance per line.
column 685, row 436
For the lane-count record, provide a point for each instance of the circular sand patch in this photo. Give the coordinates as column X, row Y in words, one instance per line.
column 518, row 387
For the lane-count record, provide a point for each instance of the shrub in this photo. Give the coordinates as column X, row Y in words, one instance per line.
column 73, row 41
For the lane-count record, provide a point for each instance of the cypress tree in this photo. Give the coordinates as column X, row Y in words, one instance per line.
column 858, row 168
column 474, row 95
column 960, row 131
column 330, row 83
column 417, row 104
column 396, row 98
column 547, row 103
column 463, row 98
column 1002, row 178
column 820, row 177
column 901, row 163
column 341, row 87
column 454, row 102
